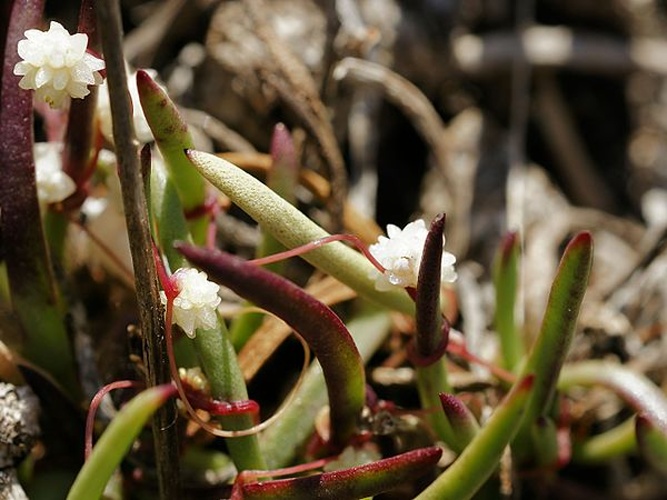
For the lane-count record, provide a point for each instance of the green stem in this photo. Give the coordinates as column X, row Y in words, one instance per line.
column 218, row 360
column 431, row 381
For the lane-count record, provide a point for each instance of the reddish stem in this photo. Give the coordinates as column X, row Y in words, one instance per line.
column 166, row 282
column 216, row 407
column 314, row 245
column 94, row 405
column 459, row 349
column 209, row 208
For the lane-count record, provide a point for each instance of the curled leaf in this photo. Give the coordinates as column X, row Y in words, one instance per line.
column 316, row 323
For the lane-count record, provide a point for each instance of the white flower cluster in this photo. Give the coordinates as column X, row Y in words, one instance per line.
column 56, row 65
column 401, row 253
column 53, row 185
column 196, row 303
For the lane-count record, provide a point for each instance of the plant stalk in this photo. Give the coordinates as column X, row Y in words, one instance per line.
column 151, row 316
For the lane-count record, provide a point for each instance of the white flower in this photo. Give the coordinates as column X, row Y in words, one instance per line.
column 401, row 254
column 141, row 128
column 53, row 185
column 56, row 65
column 196, row 303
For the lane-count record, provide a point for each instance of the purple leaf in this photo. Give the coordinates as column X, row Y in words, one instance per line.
column 316, row 323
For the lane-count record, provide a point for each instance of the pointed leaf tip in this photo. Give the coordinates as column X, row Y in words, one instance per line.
column 438, row 223
column 460, row 417
column 282, row 145
column 453, row 406
column 143, row 76
column 148, row 87
column 581, row 241
column 431, row 338
column 508, row 245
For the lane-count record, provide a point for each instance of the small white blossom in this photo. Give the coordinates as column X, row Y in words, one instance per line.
column 56, row 65
column 53, row 185
column 401, row 254
column 196, row 303
column 141, row 127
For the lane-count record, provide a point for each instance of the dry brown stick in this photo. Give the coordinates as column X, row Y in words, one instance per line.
column 551, row 46
column 151, row 317
column 405, row 95
column 296, row 87
column 142, row 43
column 217, row 130
column 584, row 184
column 426, row 120
column 520, row 98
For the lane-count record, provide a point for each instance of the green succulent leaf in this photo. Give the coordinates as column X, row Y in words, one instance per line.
column 353, row 483
column 505, row 280
column 293, row 229
column 117, row 439
column 172, row 137
column 558, row 326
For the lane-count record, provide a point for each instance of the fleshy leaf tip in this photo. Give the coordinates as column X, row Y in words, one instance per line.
column 583, row 239
column 508, row 245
